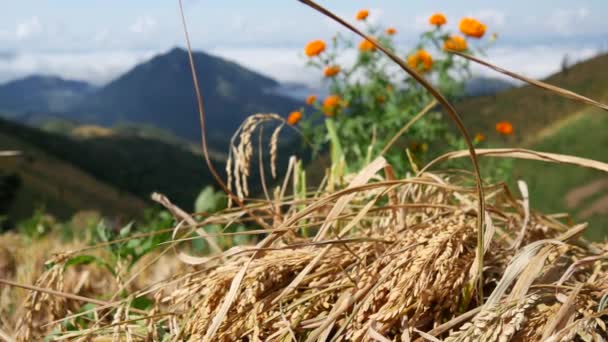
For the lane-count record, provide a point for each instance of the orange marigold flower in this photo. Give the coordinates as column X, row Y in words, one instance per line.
column 412, row 61
column 381, row 98
column 366, row 46
column 362, row 14
column 504, row 128
column 479, row 137
column 314, row 48
column 455, row 42
column 391, row 31
column 438, row 19
column 294, row 117
column 472, row 27
column 311, row 99
column 330, row 104
column 421, row 61
column 331, row 101
column 331, row 71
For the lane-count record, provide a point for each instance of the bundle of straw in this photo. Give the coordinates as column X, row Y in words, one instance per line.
column 380, row 259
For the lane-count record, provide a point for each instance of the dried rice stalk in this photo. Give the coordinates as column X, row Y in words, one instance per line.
column 240, row 155
column 496, row 323
column 551, row 88
column 521, row 153
column 361, row 278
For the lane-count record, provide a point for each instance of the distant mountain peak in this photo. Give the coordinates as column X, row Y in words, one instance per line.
column 177, row 51
column 180, row 54
column 160, row 92
column 47, row 81
column 42, row 93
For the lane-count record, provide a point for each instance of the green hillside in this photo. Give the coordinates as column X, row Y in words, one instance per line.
column 61, row 188
column 561, row 188
column 531, row 109
column 66, row 173
column 549, row 123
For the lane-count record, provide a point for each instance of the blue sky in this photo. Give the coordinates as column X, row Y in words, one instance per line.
column 96, row 40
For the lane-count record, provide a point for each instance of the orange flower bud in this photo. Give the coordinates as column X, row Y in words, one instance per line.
column 456, row 43
column 438, row 19
column 366, row 46
column 331, row 71
column 504, row 128
column 391, row 31
column 314, row 48
column 311, row 99
column 330, row 104
column 472, row 27
column 362, row 14
column 294, row 117
column 421, row 61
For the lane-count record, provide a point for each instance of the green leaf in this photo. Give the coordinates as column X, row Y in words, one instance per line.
column 142, row 303
column 336, row 148
column 126, row 230
column 134, row 243
column 102, row 231
column 209, row 201
column 82, row 260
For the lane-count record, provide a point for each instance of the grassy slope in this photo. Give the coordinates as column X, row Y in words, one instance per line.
column 61, row 187
column 135, row 165
column 531, row 109
column 546, row 122
column 550, row 184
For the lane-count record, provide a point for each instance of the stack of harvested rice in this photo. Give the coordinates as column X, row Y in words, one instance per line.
column 379, row 260
column 389, row 260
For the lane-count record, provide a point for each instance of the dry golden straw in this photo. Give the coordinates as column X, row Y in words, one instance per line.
column 380, row 259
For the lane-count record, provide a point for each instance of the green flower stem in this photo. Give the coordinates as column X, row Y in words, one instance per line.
column 336, row 148
column 338, row 164
column 300, row 192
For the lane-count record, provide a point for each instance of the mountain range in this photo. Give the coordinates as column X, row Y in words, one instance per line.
column 157, row 93
column 125, row 139
column 42, row 94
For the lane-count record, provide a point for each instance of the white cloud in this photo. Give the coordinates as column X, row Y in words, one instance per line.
column 143, row 24
column 5, row 34
column 288, row 64
column 95, row 67
column 28, row 28
column 281, row 63
column 375, row 16
column 102, row 35
column 421, row 23
column 490, row 17
column 564, row 22
column 238, row 22
column 536, row 61
column 284, row 64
